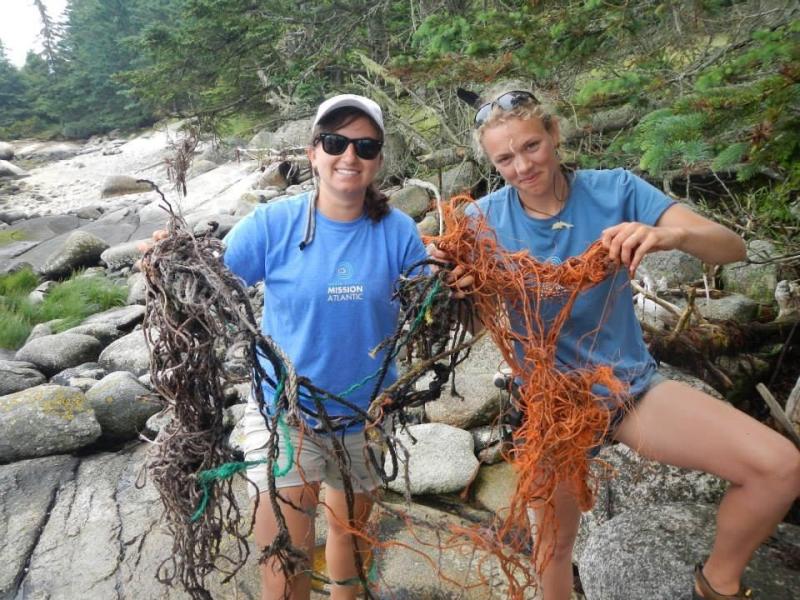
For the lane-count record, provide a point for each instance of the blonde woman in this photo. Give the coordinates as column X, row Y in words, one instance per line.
column 555, row 214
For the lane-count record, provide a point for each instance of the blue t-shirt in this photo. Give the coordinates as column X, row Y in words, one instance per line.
column 328, row 305
column 602, row 328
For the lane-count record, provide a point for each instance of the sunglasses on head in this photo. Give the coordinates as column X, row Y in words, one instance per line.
column 335, row 144
column 508, row 101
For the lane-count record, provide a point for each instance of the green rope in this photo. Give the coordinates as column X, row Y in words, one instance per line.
column 228, row 470
column 423, row 311
column 224, row 471
column 277, row 470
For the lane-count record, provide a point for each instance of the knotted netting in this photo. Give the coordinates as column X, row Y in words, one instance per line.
column 197, row 312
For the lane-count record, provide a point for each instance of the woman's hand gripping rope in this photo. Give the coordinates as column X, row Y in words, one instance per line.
column 460, row 282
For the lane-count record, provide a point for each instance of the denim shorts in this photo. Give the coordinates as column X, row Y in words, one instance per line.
column 313, row 460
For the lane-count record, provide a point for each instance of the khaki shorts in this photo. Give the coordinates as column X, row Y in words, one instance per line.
column 313, row 460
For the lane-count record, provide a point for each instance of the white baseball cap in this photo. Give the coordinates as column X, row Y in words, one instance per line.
column 366, row 105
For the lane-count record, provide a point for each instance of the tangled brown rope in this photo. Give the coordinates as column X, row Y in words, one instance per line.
column 190, row 302
column 197, row 312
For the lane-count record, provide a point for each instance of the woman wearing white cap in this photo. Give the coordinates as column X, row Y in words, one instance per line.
column 328, row 260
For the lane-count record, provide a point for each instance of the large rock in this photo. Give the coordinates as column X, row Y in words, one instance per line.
column 481, row 401
column 429, row 225
column 122, row 185
column 672, row 267
column 27, row 491
column 458, row 180
column 137, row 289
column 12, row 216
column 122, row 255
column 122, row 405
column 35, row 240
column 441, row 461
column 49, row 150
column 128, row 353
column 40, row 292
column 756, row 281
column 79, row 249
column 651, row 552
column 274, row 175
column 43, row 329
column 126, row 224
column 6, row 151
column 200, row 166
column 16, row 376
column 638, row 483
column 263, row 140
column 103, row 331
column 415, row 564
column 44, row 420
column 732, row 307
column 54, row 353
column 294, row 134
column 412, row 200
column 91, row 213
column 124, row 317
column 69, row 377
column 100, row 537
column 11, row 171
column 494, row 486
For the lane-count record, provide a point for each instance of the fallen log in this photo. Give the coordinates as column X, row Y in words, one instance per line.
column 446, row 157
column 695, row 348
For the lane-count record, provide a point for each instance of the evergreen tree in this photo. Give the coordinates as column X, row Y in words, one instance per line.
column 94, row 49
column 12, row 92
column 49, row 34
column 40, row 99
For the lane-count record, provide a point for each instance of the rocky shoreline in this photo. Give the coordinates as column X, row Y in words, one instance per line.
column 75, row 407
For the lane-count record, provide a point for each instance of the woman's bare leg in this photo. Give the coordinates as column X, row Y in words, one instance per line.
column 301, row 530
column 556, row 546
column 678, row 425
column 339, row 547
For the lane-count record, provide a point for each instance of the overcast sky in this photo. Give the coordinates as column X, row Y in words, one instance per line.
column 20, row 26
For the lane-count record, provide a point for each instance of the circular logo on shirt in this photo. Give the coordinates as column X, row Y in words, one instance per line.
column 344, row 270
column 554, row 260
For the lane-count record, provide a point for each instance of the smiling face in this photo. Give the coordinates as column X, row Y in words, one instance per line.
column 523, row 150
column 345, row 177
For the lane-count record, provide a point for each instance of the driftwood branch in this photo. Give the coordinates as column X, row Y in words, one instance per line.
column 446, row 157
column 778, row 414
column 668, row 306
column 793, row 403
column 696, row 347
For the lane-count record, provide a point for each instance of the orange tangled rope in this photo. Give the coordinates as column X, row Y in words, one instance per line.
column 524, row 304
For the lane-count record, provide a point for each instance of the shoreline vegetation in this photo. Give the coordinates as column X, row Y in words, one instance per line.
column 65, row 304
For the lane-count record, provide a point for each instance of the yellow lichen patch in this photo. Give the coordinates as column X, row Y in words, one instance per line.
column 9, row 236
column 10, row 402
column 64, row 403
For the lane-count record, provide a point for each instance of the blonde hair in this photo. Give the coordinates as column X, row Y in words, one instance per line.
column 542, row 110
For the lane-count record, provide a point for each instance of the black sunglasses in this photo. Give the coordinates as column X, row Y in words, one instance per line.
column 335, row 144
column 508, row 101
